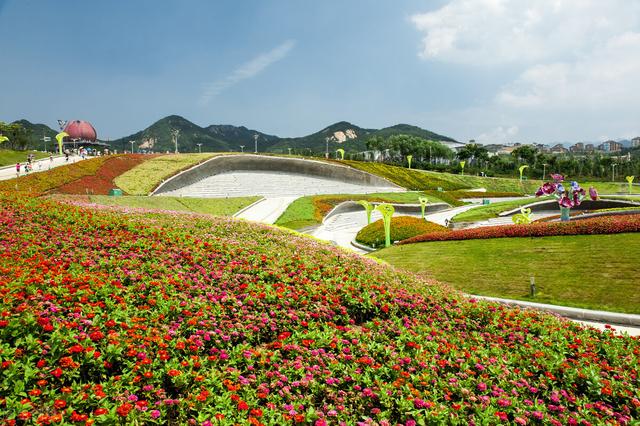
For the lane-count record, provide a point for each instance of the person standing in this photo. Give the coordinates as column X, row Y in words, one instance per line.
column 18, row 168
column 50, row 161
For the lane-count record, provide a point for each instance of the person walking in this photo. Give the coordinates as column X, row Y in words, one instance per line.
column 18, row 168
column 50, row 161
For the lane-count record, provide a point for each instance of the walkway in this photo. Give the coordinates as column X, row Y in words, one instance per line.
column 45, row 164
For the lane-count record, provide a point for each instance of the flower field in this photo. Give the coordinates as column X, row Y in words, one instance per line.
column 109, row 318
column 102, row 180
column 402, row 227
column 597, row 225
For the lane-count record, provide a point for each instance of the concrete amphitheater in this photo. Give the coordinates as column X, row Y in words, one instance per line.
column 279, row 180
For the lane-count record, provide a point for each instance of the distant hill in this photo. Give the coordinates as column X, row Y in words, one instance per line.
column 225, row 137
column 36, row 133
column 157, row 137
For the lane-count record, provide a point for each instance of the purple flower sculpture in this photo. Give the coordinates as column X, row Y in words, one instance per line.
column 567, row 197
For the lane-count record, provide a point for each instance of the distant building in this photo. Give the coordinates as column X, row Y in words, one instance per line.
column 577, row 147
column 589, row 147
column 635, row 142
column 559, row 149
column 610, row 146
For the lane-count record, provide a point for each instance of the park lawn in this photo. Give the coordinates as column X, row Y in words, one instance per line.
column 309, row 211
column 585, row 271
column 212, row 206
column 143, row 179
column 423, row 180
column 492, row 210
column 9, row 157
column 610, row 187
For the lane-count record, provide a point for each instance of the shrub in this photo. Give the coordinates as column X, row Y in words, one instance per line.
column 597, row 225
column 402, row 227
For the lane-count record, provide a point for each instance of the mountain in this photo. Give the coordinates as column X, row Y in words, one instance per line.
column 225, row 137
column 341, row 135
column 407, row 129
column 35, row 132
column 157, row 137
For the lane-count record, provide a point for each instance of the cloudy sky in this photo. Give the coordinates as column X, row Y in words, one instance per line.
column 490, row 70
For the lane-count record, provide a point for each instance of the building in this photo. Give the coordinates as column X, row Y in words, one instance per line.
column 635, row 142
column 589, row 147
column 558, row 149
column 577, row 147
column 610, row 146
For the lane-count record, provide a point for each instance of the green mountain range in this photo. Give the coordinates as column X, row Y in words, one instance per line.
column 158, row 137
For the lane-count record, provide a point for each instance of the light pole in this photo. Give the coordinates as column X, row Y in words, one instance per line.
column 45, row 139
column 255, row 140
column 175, row 133
column 132, row 142
column 241, row 148
column 289, row 151
column 544, row 169
column 613, row 172
column 326, row 152
column 199, row 148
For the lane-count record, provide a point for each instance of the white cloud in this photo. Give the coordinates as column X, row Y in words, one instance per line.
column 570, row 67
column 488, row 32
column 247, row 70
column 608, row 77
column 499, row 135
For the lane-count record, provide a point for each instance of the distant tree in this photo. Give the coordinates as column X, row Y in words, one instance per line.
column 473, row 152
column 17, row 134
column 526, row 153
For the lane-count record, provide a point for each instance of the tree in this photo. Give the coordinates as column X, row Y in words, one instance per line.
column 526, row 153
column 17, row 134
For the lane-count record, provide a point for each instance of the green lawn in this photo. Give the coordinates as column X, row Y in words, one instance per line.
column 492, row 210
column 586, row 271
column 143, row 179
column 423, row 180
column 309, row 211
column 213, row 206
column 610, row 187
column 9, row 157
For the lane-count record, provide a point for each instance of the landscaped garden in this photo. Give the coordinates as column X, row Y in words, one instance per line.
column 178, row 319
column 9, row 157
column 587, row 271
column 402, row 228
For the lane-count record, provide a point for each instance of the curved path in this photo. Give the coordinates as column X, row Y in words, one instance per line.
column 43, row 165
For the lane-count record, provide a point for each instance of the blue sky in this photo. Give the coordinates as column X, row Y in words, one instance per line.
column 492, row 70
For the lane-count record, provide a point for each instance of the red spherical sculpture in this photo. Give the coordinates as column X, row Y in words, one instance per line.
column 81, row 130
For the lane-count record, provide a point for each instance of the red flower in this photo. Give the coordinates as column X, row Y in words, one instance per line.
column 173, row 373
column 242, row 405
column 100, row 411
column 60, row 404
column 57, row 372
column 96, row 335
column 124, row 409
column 502, row 416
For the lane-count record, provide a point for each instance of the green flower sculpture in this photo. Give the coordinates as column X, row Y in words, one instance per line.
column 387, row 211
column 368, row 208
column 423, row 204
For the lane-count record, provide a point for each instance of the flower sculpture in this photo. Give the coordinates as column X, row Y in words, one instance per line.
column 522, row 218
column 568, row 197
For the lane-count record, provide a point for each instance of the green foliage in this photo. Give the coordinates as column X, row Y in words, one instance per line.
column 502, row 268
column 402, row 227
column 17, row 134
column 143, row 179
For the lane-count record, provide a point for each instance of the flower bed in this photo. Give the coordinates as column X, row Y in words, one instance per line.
column 41, row 182
column 103, row 179
column 598, row 225
column 152, row 319
column 402, row 227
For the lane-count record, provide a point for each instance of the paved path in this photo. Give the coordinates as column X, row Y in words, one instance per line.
column 278, row 189
column 268, row 210
column 45, row 164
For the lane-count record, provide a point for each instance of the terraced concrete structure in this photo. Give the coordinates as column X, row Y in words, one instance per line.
column 244, row 175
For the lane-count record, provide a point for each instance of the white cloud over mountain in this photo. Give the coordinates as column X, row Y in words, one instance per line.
column 570, row 56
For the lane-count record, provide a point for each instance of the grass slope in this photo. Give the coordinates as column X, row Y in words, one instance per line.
column 492, row 210
column 9, row 157
column 141, row 180
column 212, row 206
column 587, row 271
column 309, row 211
column 422, row 179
